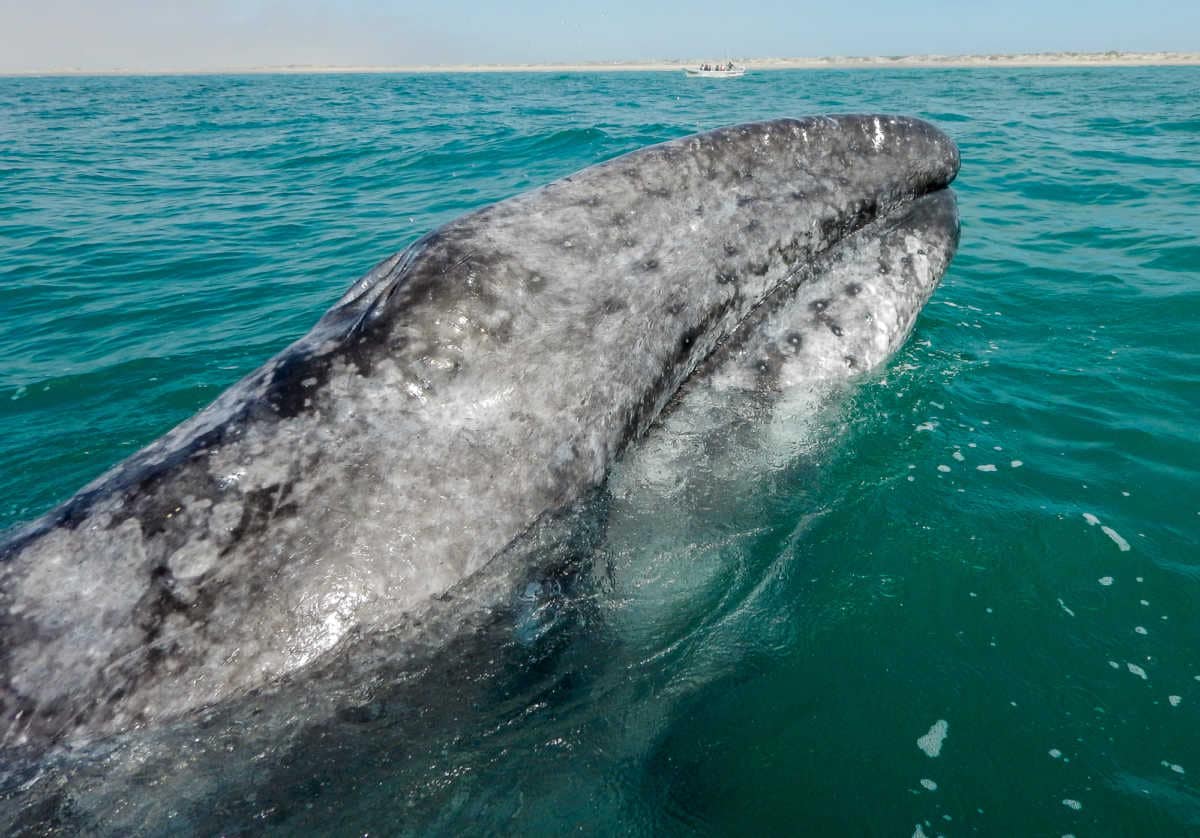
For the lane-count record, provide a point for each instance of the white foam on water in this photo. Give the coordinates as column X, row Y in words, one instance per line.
column 1072, row 804
column 1055, row 752
column 1175, row 700
column 986, row 467
column 1016, row 464
column 1121, row 543
column 943, row 468
column 927, row 426
column 1174, row 766
column 930, row 785
column 958, row 455
column 1138, row 671
column 1105, row 580
column 1114, row 664
column 919, row 833
column 1063, row 606
column 1140, row 630
column 1144, row 602
column 931, row 742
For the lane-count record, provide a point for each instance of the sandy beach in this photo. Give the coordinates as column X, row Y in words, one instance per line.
column 1043, row 59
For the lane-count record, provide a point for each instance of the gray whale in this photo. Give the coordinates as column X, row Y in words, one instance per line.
column 397, row 469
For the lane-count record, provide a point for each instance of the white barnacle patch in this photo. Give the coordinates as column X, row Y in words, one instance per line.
column 228, row 481
column 878, row 138
column 916, row 250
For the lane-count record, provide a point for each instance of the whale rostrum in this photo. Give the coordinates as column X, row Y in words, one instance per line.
column 437, row 426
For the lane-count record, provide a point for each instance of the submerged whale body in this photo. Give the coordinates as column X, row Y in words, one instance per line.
column 401, row 467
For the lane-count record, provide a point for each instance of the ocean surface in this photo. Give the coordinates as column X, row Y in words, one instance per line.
column 974, row 607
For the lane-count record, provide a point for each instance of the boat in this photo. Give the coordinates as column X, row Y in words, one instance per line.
column 728, row 70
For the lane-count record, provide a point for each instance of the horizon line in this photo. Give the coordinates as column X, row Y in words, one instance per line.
column 1111, row 58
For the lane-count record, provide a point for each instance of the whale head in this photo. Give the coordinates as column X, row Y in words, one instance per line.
column 388, row 472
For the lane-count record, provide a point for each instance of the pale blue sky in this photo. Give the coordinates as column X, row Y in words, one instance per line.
column 205, row 34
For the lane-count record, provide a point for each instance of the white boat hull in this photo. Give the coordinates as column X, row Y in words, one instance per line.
column 692, row 72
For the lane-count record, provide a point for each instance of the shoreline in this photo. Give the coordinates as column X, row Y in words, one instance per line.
column 1049, row 59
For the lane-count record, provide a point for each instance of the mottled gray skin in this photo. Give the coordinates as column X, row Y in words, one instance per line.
column 312, row 754
column 463, row 391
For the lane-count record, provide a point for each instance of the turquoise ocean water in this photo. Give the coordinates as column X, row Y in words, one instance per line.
column 998, row 536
